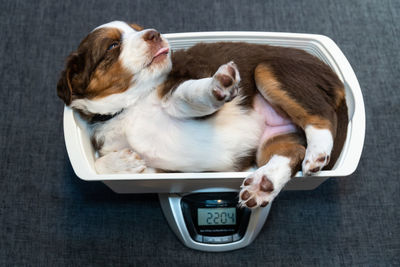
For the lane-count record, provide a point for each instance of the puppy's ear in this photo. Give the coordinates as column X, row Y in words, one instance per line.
column 65, row 88
column 136, row 27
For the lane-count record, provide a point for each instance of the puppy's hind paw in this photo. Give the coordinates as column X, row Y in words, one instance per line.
column 123, row 161
column 314, row 164
column 319, row 147
column 262, row 186
column 256, row 194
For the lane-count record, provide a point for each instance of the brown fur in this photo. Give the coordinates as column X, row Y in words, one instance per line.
column 288, row 145
column 341, row 133
column 108, row 80
column 321, row 116
column 92, row 70
column 136, row 27
column 296, row 83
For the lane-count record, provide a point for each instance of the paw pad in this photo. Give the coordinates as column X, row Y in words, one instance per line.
column 261, row 187
column 266, row 185
column 256, row 192
column 311, row 166
column 226, row 81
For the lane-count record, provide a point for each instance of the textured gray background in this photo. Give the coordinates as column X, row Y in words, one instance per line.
column 48, row 217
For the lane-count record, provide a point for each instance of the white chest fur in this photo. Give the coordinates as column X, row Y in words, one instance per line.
column 165, row 142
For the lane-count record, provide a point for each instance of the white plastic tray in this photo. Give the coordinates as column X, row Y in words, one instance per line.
column 82, row 155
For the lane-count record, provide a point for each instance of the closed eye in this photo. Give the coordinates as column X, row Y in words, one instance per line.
column 112, row 46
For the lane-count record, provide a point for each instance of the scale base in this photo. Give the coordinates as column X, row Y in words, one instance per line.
column 171, row 207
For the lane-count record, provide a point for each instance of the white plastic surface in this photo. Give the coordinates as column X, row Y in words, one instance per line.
column 82, row 155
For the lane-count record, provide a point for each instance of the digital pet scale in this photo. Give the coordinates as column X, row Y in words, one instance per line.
column 201, row 208
column 212, row 221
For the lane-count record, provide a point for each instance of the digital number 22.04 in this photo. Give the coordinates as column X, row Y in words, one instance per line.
column 220, row 217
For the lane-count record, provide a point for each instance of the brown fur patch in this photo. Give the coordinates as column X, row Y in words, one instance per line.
column 299, row 85
column 136, row 27
column 273, row 91
column 288, row 145
column 341, row 133
column 340, row 96
column 244, row 163
column 94, row 64
column 108, row 80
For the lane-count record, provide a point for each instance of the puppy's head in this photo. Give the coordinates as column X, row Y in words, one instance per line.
column 115, row 65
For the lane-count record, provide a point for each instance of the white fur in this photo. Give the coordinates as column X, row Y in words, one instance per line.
column 182, row 144
column 277, row 170
column 171, row 143
column 122, row 161
column 135, row 56
column 173, row 140
column 114, row 103
column 319, row 144
column 194, row 98
column 117, row 24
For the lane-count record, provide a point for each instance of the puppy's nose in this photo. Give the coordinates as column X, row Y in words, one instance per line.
column 152, row 36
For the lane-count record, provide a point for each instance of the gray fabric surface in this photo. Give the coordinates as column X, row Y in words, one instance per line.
column 48, row 217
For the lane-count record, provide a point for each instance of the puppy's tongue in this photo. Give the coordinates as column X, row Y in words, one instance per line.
column 163, row 50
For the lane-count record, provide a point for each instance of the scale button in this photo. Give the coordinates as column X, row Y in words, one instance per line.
column 209, row 239
column 227, row 239
column 217, row 239
column 237, row 237
column 198, row 238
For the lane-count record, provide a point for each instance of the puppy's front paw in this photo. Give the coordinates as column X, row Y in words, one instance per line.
column 225, row 82
column 123, row 161
column 262, row 186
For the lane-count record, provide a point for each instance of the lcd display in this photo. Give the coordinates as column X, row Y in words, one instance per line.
column 216, row 216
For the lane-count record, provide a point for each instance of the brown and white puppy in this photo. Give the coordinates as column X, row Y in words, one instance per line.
column 213, row 107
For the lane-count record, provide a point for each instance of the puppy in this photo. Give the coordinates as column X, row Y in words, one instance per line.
column 212, row 107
